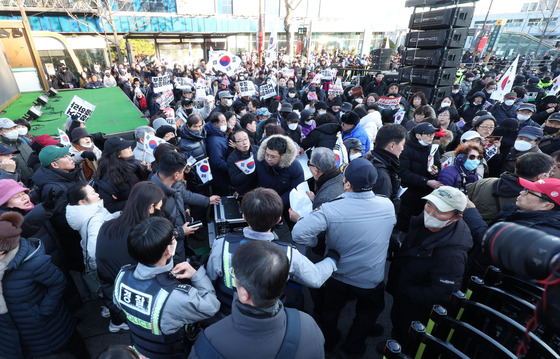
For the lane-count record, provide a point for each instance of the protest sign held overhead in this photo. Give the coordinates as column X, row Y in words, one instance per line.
column 267, row 91
column 246, row 88
column 161, row 83
column 81, row 108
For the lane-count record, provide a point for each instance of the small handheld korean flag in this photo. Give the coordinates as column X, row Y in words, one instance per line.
column 246, row 166
column 203, row 170
column 63, row 138
column 151, row 142
column 340, row 152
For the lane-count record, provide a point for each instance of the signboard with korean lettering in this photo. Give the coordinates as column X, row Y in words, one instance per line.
column 81, row 108
column 388, row 102
column 161, row 83
column 267, row 91
column 246, row 88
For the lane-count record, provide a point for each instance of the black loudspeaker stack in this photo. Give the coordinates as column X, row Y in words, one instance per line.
column 434, row 46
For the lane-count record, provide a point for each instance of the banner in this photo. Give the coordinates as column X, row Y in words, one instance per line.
column 246, row 166
column 267, row 91
column 203, row 170
column 63, row 138
column 183, row 82
column 328, row 74
column 288, row 72
column 272, row 49
column 506, row 82
column 81, row 108
column 225, row 61
column 388, row 102
column 161, row 83
column 151, row 142
column 246, row 88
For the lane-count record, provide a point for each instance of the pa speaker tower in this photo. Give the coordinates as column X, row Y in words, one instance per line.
column 434, row 46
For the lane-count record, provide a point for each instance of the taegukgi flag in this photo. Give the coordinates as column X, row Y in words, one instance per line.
column 151, row 142
column 246, row 166
column 203, row 170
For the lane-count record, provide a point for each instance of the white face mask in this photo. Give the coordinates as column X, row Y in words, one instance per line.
column 433, row 222
column 523, row 118
column 22, row 131
column 223, row 128
column 228, row 103
column 359, row 100
column 291, row 95
column 522, row 146
column 12, row 135
column 354, row 156
column 322, row 112
column 509, row 102
column 292, row 126
column 309, row 123
column 490, row 91
column 445, row 104
column 174, row 249
column 454, row 91
column 423, row 143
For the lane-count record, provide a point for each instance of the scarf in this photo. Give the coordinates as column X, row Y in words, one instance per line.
column 325, row 177
column 4, row 262
column 89, row 167
column 391, row 159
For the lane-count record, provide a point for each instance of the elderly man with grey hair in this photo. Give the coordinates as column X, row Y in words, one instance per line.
column 139, row 151
column 328, row 179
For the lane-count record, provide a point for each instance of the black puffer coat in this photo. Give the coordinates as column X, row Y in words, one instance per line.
column 322, row 136
column 37, row 322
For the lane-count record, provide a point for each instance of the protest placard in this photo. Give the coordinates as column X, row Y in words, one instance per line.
column 388, row 102
column 288, row 72
column 81, row 108
column 161, row 83
column 246, row 88
column 267, row 91
column 165, row 99
column 182, row 82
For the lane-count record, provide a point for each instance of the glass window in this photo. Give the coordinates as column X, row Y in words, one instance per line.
column 225, row 6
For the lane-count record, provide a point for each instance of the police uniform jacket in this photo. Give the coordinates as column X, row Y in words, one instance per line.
column 348, row 222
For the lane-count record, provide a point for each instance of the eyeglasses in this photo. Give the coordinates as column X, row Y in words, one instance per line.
column 475, row 157
column 526, row 191
column 487, row 127
column 242, row 140
column 310, row 165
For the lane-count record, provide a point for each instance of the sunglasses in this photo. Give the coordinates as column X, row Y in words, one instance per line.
column 475, row 157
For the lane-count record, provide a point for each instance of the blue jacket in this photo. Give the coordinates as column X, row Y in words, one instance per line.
column 502, row 112
column 37, row 322
column 451, row 175
column 282, row 177
column 361, row 134
column 217, row 145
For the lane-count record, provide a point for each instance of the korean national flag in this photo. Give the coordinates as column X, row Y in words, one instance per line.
column 64, row 140
column 151, row 142
column 203, row 170
column 246, row 166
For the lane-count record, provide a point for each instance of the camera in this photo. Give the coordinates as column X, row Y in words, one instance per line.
column 525, row 251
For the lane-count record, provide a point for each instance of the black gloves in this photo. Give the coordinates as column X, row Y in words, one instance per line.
column 89, row 155
column 52, row 198
column 331, row 253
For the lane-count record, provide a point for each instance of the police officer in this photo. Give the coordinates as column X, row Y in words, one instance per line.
column 159, row 308
column 262, row 210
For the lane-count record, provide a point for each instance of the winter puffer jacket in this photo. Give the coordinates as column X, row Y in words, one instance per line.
column 37, row 322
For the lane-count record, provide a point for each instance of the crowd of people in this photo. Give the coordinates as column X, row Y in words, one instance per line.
column 392, row 177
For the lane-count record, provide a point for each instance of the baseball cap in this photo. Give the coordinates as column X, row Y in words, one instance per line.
column 346, row 107
column 50, row 153
column 361, row 174
column 6, row 123
column 510, row 95
column 554, row 117
column 527, row 106
column 532, row 132
column 225, row 94
column 6, row 150
column 424, row 127
column 353, row 144
column 447, row 199
column 115, row 144
column 534, row 80
column 548, row 186
column 286, row 107
column 45, row 140
column 187, row 89
column 470, row 135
